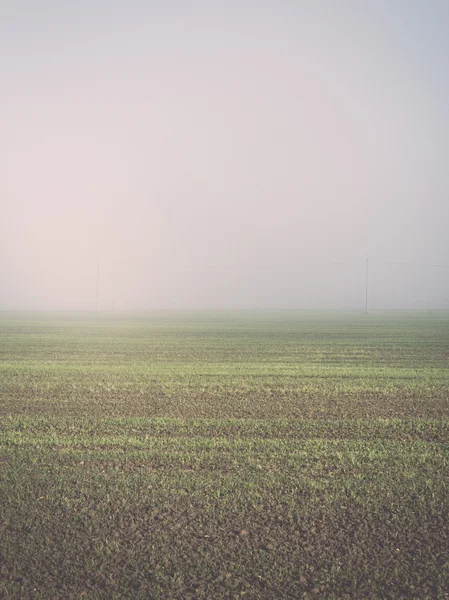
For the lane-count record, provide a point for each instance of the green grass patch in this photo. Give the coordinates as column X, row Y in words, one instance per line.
column 224, row 455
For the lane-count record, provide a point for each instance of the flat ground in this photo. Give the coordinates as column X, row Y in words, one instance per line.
column 224, row 455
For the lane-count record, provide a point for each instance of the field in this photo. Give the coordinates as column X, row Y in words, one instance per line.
column 224, row 455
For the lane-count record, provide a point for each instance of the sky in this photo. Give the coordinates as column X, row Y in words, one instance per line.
column 225, row 155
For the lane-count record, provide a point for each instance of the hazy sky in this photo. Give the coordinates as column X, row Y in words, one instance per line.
column 208, row 153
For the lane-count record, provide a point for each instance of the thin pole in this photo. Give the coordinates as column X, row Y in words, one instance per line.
column 113, row 291
column 366, row 286
column 98, row 279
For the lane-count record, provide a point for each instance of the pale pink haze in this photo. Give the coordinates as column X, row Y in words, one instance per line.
column 224, row 155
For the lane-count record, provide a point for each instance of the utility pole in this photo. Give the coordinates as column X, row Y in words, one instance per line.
column 366, row 286
column 98, row 279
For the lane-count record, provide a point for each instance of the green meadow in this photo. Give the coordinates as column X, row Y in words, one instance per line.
column 224, row 455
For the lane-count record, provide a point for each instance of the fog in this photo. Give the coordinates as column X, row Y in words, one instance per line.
column 230, row 154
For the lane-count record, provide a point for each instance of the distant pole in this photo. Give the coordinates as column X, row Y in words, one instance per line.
column 113, row 292
column 366, row 286
column 98, row 279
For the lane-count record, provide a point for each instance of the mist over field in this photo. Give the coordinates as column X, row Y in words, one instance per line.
column 178, row 181
column 224, row 155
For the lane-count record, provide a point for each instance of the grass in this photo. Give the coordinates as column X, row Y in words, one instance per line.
column 224, row 455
